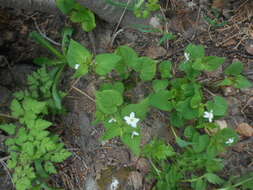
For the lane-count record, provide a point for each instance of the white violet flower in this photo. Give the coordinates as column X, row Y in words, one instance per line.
column 77, row 66
column 114, row 185
column 229, row 141
column 132, row 120
column 187, row 56
column 112, row 120
column 134, row 133
column 209, row 115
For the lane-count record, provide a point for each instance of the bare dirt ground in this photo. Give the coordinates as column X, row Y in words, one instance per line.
column 92, row 159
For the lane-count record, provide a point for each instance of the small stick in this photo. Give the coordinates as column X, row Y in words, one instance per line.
column 44, row 35
column 83, row 93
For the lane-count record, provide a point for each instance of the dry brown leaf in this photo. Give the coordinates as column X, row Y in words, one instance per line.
column 245, row 129
column 219, row 4
column 155, row 52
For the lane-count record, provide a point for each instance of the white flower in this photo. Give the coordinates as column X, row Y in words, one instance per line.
column 229, row 141
column 134, row 133
column 114, row 185
column 112, row 120
column 209, row 115
column 132, row 120
column 187, row 56
column 77, row 66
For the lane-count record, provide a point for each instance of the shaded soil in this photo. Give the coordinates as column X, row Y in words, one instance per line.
column 93, row 159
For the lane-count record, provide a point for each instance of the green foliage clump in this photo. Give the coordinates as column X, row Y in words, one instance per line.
column 33, row 149
column 78, row 14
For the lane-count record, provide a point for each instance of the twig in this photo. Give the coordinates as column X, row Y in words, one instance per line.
column 6, row 168
column 44, row 35
column 83, row 93
column 196, row 23
column 208, row 91
column 7, row 116
column 4, row 158
column 120, row 20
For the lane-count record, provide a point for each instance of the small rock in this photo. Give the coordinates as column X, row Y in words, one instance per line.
column 222, row 124
column 135, row 180
column 249, row 46
column 245, row 129
column 229, row 91
column 155, row 52
column 143, row 165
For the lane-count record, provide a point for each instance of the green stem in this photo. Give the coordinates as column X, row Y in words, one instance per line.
column 194, row 179
column 38, row 38
column 155, row 168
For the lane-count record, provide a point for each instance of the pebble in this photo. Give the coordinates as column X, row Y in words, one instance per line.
column 245, row 129
column 249, row 46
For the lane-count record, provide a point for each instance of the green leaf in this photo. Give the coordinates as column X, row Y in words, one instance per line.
column 213, row 62
column 90, row 22
column 108, row 101
column 40, row 39
column 106, row 62
column 55, row 93
column 200, row 142
column 42, row 124
column 234, row 69
column 77, row 16
column 132, row 143
column 200, row 185
column 176, row 119
column 8, row 128
column 160, row 85
column 165, row 69
column 46, row 61
column 113, row 130
column 28, row 148
column 119, row 86
column 213, row 178
column 16, row 109
column 166, row 37
column 82, row 70
column 189, row 132
column 219, row 106
column 141, row 109
column 66, row 36
column 128, row 59
column 33, row 106
column 158, row 150
column 186, row 110
column 49, row 168
column 226, row 82
column 182, row 143
column 161, row 99
column 77, row 54
column 242, row 82
column 195, row 51
column 148, row 68
column 65, row 5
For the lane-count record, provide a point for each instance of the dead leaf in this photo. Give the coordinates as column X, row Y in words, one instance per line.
column 155, row 52
column 245, row 129
column 219, row 4
column 230, row 42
